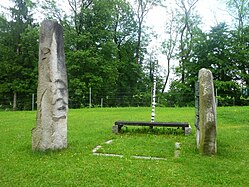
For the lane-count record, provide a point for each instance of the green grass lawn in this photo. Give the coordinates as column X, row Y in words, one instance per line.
column 87, row 128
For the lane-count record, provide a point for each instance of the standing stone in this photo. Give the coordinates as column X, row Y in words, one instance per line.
column 206, row 135
column 52, row 92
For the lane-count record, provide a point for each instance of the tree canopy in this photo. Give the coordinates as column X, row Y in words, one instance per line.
column 106, row 56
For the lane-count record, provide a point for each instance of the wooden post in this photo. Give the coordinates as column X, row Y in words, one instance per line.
column 216, row 97
column 33, row 101
column 90, row 97
column 14, row 101
column 101, row 102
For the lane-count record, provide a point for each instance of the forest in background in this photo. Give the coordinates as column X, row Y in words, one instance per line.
column 107, row 57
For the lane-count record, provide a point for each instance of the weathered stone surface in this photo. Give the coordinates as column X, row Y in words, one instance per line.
column 177, row 149
column 115, row 129
column 52, row 91
column 187, row 130
column 206, row 135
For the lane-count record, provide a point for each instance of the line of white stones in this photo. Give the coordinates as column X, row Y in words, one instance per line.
column 177, row 149
column 94, row 151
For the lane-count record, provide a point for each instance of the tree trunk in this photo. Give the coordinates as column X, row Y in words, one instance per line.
column 183, row 72
column 139, row 44
column 167, row 76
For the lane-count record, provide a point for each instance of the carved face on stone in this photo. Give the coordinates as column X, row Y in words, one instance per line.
column 59, row 102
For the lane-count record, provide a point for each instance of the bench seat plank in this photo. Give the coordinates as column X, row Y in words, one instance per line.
column 119, row 124
column 142, row 123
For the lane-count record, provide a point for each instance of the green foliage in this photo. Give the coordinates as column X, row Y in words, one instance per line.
column 104, row 43
column 223, row 50
column 225, row 55
column 180, row 95
column 100, row 54
column 19, row 54
column 87, row 128
column 100, row 45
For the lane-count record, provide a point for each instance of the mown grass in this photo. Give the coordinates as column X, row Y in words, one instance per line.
column 87, row 128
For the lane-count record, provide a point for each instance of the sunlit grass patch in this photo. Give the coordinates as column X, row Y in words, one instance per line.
column 87, row 128
column 143, row 145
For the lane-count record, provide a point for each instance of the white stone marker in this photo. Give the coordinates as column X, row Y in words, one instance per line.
column 206, row 135
column 52, row 92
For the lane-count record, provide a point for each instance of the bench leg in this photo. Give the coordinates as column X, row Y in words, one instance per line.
column 187, row 130
column 116, row 128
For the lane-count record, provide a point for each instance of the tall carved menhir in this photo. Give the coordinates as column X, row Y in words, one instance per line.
column 52, row 92
column 206, row 130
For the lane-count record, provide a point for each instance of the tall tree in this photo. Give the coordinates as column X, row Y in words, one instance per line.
column 124, row 35
column 100, row 46
column 90, row 51
column 124, row 26
column 172, row 29
column 79, row 9
column 215, row 51
column 142, row 8
column 188, row 23
column 17, row 64
column 239, row 10
column 51, row 10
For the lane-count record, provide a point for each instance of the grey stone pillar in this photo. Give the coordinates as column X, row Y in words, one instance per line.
column 52, row 92
column 206, row 135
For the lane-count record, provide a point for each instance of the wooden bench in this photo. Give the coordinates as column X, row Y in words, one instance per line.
column 119, row 124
